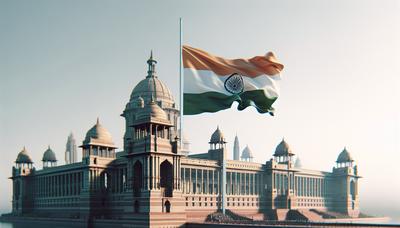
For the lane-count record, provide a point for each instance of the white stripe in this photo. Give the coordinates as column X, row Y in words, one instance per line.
column 201, row 81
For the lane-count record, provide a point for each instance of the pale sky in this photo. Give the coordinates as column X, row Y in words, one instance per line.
column 65, row 63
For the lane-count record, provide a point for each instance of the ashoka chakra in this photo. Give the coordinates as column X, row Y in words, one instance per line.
column 234, row 84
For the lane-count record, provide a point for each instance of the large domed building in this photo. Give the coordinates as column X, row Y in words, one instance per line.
column 151, row 88
column 153, row 181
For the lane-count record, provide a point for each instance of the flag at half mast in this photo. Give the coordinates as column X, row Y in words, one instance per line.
column 212, row 83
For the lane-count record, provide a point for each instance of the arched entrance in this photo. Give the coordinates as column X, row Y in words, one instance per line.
column 167, row 205
column 166, row 182
column 137, row 178
column 353, row 189
column 136, row 206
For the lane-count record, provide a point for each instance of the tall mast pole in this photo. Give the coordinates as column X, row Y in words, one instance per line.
column 180, row 84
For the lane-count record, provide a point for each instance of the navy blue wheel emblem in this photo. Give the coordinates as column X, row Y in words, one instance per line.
column 234, row 84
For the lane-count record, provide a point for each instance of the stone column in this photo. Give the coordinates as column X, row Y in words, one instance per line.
column 195, row 181
column 158, row 173
column 190, row 190
column 148, row 172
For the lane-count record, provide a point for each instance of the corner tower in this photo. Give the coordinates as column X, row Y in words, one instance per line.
column 345, row 177
column 281, row 195
column 154, row 163
column 22, row 183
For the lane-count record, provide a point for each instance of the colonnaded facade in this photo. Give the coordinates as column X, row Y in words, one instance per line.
column 152, row 182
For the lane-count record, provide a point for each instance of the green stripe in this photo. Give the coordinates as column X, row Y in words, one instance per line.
column 196, row 103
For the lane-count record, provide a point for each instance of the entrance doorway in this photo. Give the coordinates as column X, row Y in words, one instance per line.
column 166, row 182
column 137, row 178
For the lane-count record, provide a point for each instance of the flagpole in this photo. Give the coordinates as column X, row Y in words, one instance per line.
column 180, row 84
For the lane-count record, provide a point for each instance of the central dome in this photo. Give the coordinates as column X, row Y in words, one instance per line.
column 150, row 87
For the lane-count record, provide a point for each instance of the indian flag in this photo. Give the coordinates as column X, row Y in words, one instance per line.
column 212, row 83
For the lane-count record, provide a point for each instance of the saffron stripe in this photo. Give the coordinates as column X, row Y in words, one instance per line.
column 253, row 67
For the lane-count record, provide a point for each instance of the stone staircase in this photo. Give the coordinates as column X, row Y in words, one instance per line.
column 311, row 215
column 330, row 214
column 295, row 215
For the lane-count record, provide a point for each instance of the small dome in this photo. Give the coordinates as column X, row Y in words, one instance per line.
column 283, row 149
column 23, row 157
column 344, row 156
column 246, row 154
column 217, row 137
column 298, row 164
column 98, row 135
column 49, row 156
column 152, row 110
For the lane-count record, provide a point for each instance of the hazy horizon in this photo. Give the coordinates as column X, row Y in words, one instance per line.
column 65, row 63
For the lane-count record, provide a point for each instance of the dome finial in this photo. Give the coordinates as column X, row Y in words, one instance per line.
column 97, row 121
column 152, row 65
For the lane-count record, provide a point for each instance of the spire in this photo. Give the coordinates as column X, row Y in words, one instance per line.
column 236, row 149
column 97, row 121
column 152, row 65
column 70, row 150
column 298, row 164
